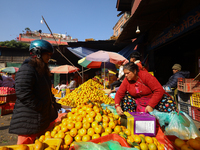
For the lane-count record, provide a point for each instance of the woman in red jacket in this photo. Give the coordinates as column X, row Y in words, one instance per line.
column 144, row 87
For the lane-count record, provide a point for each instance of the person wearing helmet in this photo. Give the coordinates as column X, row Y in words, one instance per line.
column 135, row 58
column 35, row 107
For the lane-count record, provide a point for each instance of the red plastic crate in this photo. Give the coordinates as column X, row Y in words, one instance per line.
column 188, row 85
column 195, row 113
column 10, row 98
column 6, row 108
column 106, row 138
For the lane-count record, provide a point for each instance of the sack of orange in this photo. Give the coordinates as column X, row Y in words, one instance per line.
column 89, row 90
column 89, row 121
column 191, row 144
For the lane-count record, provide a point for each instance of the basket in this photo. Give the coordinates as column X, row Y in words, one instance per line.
column 188, row 85
column 48, row 142
column 6, row 108
column 195, row 113
column 185, row 108
column 195, row 100
column 169, row 142
column 106, row 138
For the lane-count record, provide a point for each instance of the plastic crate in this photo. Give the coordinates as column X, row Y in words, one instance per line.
column 9, row 98
column 195, row 99
column 6, row 108
column 184, row 97
column 188, row 85
column 169, row 142
column 106, row 138
column 185, row 108
column 53, row 141
column 195, row 113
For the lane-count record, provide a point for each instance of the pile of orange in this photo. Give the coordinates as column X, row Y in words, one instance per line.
column 191, row 144
column 55, row 92
column 89, row 121
column 88, row 91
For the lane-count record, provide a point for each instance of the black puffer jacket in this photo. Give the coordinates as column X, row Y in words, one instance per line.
column 31, row 113
column 174, row 78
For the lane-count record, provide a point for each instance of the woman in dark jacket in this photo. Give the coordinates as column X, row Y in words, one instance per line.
column 33, row 111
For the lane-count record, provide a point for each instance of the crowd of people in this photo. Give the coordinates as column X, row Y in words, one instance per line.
column 36, row 106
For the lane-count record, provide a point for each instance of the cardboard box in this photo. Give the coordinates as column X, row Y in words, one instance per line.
column 141, row 123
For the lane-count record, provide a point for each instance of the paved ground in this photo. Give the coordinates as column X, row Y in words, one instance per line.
column 11, row 139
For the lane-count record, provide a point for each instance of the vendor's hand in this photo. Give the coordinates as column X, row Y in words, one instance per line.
column 148, row 109
column 119, row 110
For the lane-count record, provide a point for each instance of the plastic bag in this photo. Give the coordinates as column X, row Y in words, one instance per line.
column 182, row 127
column 109, row 145
column 111, row 108
column 163, row 117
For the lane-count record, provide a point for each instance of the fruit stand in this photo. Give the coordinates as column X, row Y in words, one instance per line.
column 7, row 100
column 92, row 121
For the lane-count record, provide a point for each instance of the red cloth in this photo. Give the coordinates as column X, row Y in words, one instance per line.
column 148, row 86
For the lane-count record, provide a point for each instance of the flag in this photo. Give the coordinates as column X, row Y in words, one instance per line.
column 41, row 21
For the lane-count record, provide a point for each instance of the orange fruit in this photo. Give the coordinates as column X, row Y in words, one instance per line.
column 178, row 142
column 143, row 146
column 90, row 119
column 142, row 135
column 111, row 124
column 82, row 131
column 95, row 136
column 160, row 147
column 79, row 118
column 88, row 110
column 47, row 133
column 195, row 144
column 117, row 129
column 84, row 107
column 106, row 119
column 78, row 125
column 73, row 132
column 90, row 131
column 127, row 132
column 68, row 139
column 98, row 129
column 53, row 133
column 64, row 122
column 186, row 147
column 57, row 128
column 137, row 138
column 97, row 110
column 70, row 125
column 83, row 114
column 64, row 129
column 42, row 138
column 78, row 138
column 104, row 134
column 94, row 124
column 85, row 138
column 22, row 147
column 105, row 124
column 90, row 105
column 86, row 125
column 80, row 111
column 98, row 118
column 152, row 146
column 61, row 135
column 148, row 139
column 108, row 130
column 38, row 145
column 92, row 114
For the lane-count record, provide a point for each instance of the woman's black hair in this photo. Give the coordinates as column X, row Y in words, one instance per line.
column 131, row 67
column 135, row 55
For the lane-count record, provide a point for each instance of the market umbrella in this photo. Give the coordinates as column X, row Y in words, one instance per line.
column 9, row 70
column 65, row 69
column 105, row 56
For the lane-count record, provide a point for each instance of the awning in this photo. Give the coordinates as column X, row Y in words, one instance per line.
column 149, row 16
column 81, row 51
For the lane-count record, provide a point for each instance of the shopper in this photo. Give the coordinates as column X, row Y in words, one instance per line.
column 62, row 88
column 120, row 78
column 35, row 107
column 139, row 84
column 72, row 84
column 135, row 58
column 177, row 73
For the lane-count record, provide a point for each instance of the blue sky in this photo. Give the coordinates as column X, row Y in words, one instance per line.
column 80, row 19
